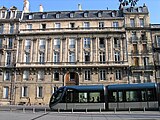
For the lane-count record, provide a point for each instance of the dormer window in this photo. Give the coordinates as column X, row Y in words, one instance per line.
column 86, row 14
column 71, row 15
column 58, row 15
column 99, row 14
column 30, row 16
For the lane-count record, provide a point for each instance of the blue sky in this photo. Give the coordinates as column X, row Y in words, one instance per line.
column 65, row 5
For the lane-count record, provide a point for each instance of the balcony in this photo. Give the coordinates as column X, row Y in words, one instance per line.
column 78, row 29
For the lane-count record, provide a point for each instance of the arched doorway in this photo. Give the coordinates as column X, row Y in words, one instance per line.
column 71, row 78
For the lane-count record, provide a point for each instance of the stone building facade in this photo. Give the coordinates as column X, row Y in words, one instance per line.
column 41, row 51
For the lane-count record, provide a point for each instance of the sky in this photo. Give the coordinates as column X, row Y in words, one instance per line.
column 69, row 5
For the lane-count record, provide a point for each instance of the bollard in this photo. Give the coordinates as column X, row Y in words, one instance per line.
column 86, row 110
column 33, row 110
column 23, row 110
column 144, row 109
column 45, row 110
column 72, row 110
column 115, row 110
column 100, row 110
column 129, row 110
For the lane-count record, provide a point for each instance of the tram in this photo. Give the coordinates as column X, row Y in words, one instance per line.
column 119, row 96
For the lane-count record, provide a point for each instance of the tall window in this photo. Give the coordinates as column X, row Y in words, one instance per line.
column 116, row 43
column 87, row 56
column 87, row 75
column 86, row 25
column 26, row 75
column 57, row 43
column 57, row 25
column 6, row 92
column 42, row 43
column 117, row 56
column 27, row 44
column 87, row 42
column 41, row 75
column 102, row 75
column 141, row 22
column 132, row 22
column 24, row 91
column 27, row 57
column 39, row 91
column 101, row 43
column 71, row 43
column 10, row 43
column 8, row 58
column 41, row 57
column 118, row 75
column 11, row 28
column 7, row 75
column 115, row 24
column 101, row 24
column 102, row 57
column 71, row 57
column 1, row 28
column 56, row 57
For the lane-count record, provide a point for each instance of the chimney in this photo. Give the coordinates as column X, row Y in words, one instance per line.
column 26, row 6
column 79, row 7
column 40, row 8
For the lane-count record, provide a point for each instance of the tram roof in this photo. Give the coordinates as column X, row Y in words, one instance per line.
column 131, row 86
column 87, row 87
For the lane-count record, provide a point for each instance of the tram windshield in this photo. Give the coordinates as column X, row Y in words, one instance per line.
column 57, row 95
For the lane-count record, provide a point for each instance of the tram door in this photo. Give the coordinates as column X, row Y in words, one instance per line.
column 71, row 78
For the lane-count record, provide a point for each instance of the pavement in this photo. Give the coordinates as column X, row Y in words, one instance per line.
column 44, row 115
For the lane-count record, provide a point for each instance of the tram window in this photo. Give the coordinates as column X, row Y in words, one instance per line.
column 83, row 97
column 94, row 97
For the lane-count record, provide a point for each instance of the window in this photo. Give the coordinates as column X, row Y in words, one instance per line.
column 58, row 15
column 87, row 42
column 29, row 26
column 30, row 16
column 43, row 26
column 56, row 76
column 1, row 42
column 115, row 24
column 101, row 24
column 116, row 43
column 1, row 28
column 57, row 43
column 57, row 25
column 118, row 75
column 26, row 75
column 86, row 25
column 102, row 57
column 102, row 75
column 71, row 43
column 72, row 25
column 87, row 56
column 8, row 58
column 11, row 28
column 145, row 61
column 87, row 75
column 117, row 56
column 27, row 44
column 141, row 22
column 41, row 75
column 132, row 22
column 27, row 57
column 56, row 57
column 85, row 14
column 41, row 58
column 39, row 92
column 71, row 57
column 7, row 75
column 42, row 44
column 10, row 43
column 24, row 91
column 158, row 41
column 6, row 92
column 101, row 43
